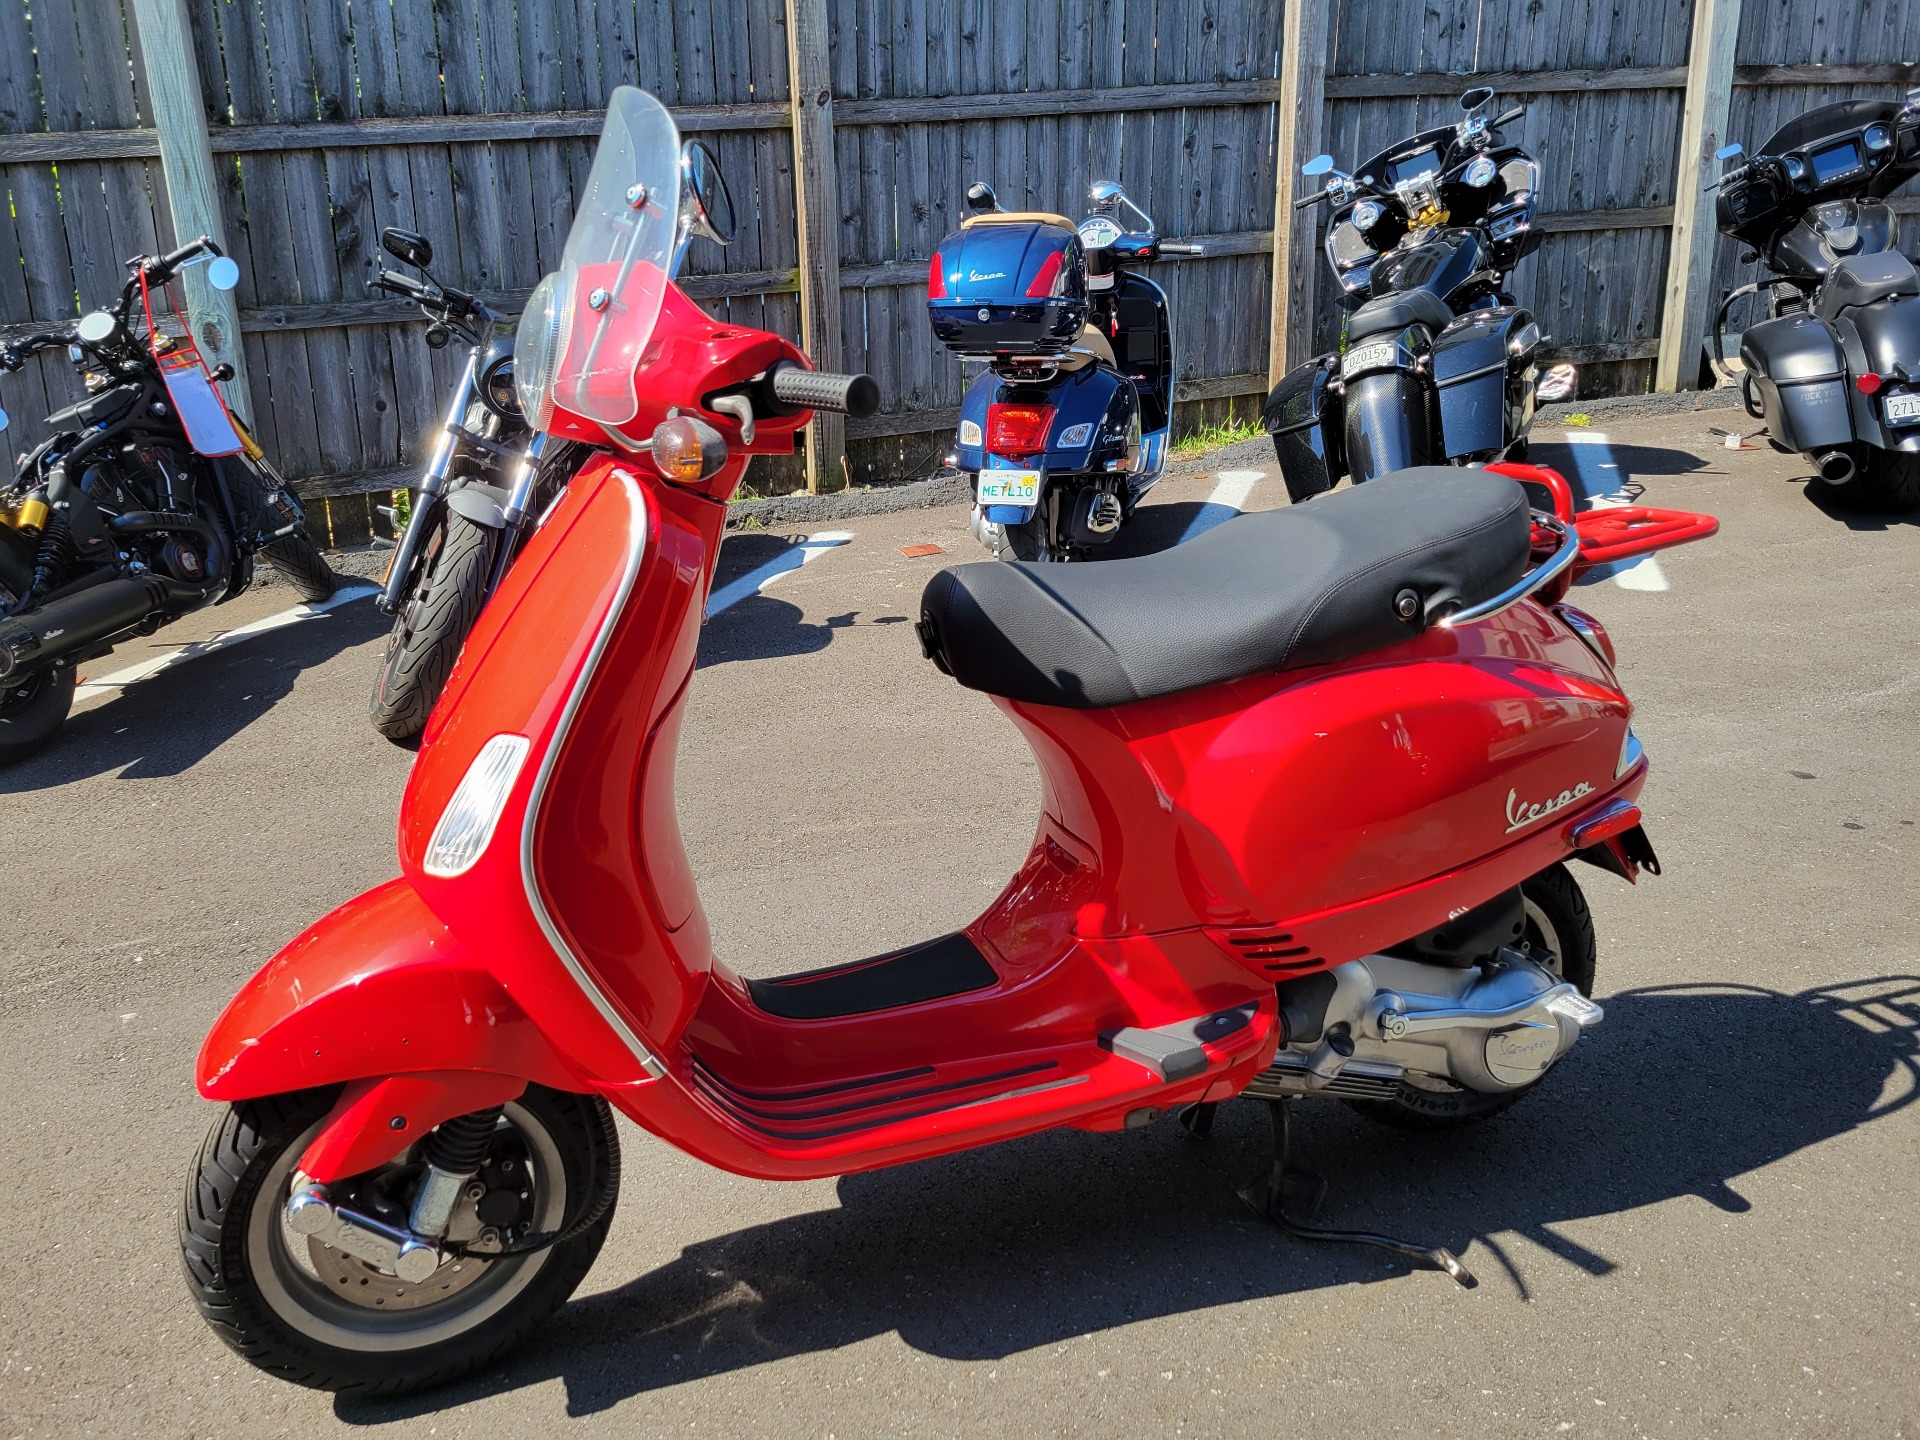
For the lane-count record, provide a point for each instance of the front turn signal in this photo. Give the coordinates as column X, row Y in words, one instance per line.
column 687, row 451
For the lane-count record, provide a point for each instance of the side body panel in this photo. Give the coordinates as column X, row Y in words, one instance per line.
column 1307, row 419
column 1802, row 379
column 1482, row 374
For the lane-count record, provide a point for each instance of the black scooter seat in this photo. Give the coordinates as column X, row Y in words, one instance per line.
column 1863, row 279
column 1308, row 585
column 1396, row 312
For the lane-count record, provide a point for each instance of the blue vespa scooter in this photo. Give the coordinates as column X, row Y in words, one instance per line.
column 1067, row 429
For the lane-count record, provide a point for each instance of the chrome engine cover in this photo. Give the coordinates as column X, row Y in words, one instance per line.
column 1495, row 1027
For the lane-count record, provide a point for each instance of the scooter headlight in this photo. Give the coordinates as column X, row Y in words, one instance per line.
column 537, row 348
column 466, row 825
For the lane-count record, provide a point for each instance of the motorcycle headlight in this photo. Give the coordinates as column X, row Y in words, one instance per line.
column 536, row 350
column 498, row 391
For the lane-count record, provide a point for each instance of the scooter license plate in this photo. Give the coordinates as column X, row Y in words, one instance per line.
column 1903, row 409
column 1010, row 487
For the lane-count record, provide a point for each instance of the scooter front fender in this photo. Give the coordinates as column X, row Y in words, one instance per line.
column 379, row 987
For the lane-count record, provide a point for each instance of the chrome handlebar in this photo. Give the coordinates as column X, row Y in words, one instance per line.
column 1533, row 580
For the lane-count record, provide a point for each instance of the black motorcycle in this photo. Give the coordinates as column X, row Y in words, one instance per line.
column 1437, row 362
column 491, row 475
column 148, row 499
column 1834, row 369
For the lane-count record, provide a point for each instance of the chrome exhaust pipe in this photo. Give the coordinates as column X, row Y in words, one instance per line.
column 1835, row 466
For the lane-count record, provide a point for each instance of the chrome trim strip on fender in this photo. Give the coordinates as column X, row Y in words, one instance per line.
column 636, row 549
column 1568, row 552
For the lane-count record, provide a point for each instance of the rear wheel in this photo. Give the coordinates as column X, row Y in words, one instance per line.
column 33, row 707
column 432, row 626
column 1887, row 482
column 300, row 1309
column 1559, row 936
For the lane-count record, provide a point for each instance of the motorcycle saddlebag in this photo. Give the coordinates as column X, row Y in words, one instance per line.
column 1308, row 425
column 1887, row 336
column 1796, row 365
column 1009, row 285
column 1480, row 363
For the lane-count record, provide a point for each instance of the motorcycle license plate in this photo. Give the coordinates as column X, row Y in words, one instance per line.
column 1010, row 487
column 1367, row 357
column 1903, row 409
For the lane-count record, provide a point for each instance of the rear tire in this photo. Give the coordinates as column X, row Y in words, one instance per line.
column 248, row 1276
column 301, row 565
column 1887, row 482
column 1560, row 937
column 32, row 710
column 432, row 626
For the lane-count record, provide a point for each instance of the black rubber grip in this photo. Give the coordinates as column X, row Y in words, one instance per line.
column 173, row 260
column 854, row 395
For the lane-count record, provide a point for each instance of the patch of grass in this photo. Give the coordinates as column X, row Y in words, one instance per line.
column 1212, row 437
column 1578, row 422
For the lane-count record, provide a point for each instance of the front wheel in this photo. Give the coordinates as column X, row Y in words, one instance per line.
column 302, row 566
column 306, row 1312
column 1559, row 937
column 33, row 707
column 431, row 627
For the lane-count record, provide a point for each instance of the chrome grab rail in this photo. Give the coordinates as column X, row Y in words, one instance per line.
column 1533, row 580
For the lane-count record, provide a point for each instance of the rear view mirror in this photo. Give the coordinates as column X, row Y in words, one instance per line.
column 1557, row 384
column 1318, row 165
column 1729, row 152
column 706, row 207
column 1476, row 98
column 222, row 273
column 3, row 420
column 1104, row 192
column 980, row 197
column 407, row 246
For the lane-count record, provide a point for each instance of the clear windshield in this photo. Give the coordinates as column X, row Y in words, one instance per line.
column 613, row 274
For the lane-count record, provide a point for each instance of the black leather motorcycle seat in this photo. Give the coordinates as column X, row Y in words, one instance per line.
column 1280, row 590
column 1863, row 279
column 1397, row 312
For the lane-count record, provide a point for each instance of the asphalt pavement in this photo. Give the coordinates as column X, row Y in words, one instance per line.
column 1704, row 1222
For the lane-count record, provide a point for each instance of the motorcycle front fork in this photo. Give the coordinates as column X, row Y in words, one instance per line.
column 433, row 484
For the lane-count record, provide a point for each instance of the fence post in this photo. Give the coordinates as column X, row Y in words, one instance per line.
column 1703, row 129
column 816, row 188
column 1302, row 107
column 180, row 118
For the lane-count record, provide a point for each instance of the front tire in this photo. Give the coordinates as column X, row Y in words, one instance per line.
column 1560, row 937
column 301, row 565
column 431, row 627
column 307, row 1313
column 33, row 707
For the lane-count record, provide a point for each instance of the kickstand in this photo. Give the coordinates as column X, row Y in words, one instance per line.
column 1287, row 1183
column 1197, row 1120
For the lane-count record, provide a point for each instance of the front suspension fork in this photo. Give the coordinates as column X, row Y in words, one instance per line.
column 433, row 484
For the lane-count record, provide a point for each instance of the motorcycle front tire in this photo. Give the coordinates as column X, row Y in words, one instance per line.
column 33, row 707
column 432, row 625
column 300, row 563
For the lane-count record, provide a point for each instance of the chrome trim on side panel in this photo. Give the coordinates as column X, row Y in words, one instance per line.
column 636, row 549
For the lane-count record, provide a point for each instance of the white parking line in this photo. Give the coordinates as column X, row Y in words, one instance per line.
column 1598, row 478
column 754, row 581
column 120, row 679
column 1228, row 499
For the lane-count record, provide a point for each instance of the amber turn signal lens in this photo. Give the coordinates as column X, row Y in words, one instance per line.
column 677, row 450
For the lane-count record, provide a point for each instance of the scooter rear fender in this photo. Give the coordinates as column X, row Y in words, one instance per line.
column 378, row 988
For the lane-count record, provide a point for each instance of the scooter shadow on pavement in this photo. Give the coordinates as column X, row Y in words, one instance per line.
column 1063, row 1235
column 172, row 720
column 761, row 626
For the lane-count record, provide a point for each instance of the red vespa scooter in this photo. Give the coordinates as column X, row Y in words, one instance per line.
column 1308, row 784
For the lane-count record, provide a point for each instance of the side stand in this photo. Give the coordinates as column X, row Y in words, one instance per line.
column 1286, row 1183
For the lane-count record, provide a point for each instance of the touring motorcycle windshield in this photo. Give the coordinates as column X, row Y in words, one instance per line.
column 603, row 302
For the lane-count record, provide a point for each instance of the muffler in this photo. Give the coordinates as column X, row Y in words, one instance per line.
column 76, row 621
column 1836, row 466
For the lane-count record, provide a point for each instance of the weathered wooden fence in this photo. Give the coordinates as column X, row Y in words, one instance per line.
column 472, row 121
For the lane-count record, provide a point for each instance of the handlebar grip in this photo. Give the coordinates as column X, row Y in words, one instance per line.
column 174, row 259
column 1306, row 200
column 854, row 395
column 1512, row 115
column 1168, row 247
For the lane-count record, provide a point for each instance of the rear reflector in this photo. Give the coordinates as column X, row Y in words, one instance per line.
column 1618, row 818
column 1869, row 384
column 1047, row 277
column 1018, row 429
column 937, row 279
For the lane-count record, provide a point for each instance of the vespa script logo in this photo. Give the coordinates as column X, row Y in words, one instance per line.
column 1520, row 814
column 974, row 277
